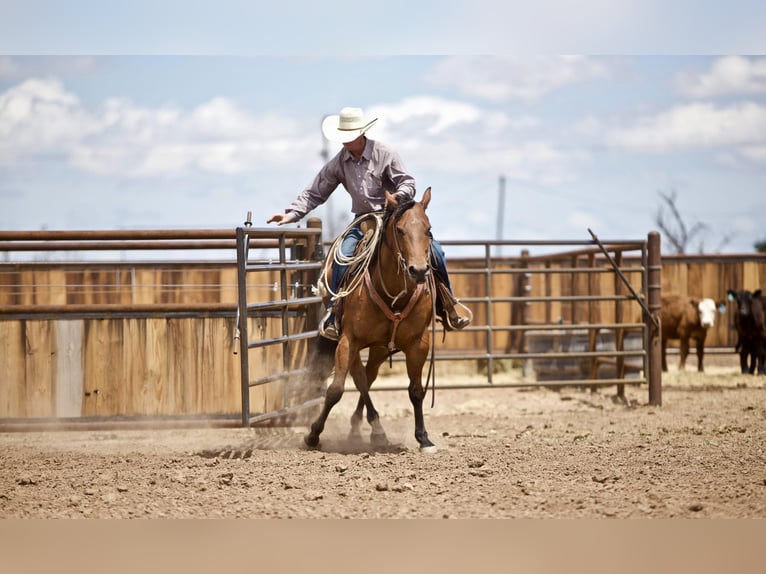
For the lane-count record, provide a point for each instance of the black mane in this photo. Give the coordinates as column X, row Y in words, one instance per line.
column 396, row 213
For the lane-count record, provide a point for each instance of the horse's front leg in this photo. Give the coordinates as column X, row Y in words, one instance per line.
column 375, row 359
column 332, row 395
column 416, row 358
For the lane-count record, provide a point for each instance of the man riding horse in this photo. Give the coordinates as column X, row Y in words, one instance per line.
column 367, row 169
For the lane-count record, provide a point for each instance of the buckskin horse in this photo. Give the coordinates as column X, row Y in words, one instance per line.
column 389, row 310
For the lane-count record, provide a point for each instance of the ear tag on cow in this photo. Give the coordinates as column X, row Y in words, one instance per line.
column 721, row 308
column 731, row 297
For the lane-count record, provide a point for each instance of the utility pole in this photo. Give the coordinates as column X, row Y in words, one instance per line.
column 500, row 213
column 332, row 224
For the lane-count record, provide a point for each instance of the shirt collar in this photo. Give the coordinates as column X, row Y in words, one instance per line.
column 366, row 153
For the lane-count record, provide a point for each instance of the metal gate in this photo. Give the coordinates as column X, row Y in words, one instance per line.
column 581, row 300
column 299, row 259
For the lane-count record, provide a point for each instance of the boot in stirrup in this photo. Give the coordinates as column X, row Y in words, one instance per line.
column 328, row 327
column 451, row 319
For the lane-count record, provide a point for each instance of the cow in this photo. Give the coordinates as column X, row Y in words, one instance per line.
column 685, row 318
column 750, row 322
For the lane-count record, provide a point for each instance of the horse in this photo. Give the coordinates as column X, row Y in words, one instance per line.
column 389, row 311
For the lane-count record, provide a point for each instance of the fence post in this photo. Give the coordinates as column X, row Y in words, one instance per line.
column 654, row 350
column 244, row 365
column 314, row 253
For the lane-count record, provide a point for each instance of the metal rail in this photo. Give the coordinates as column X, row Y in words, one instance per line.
column 301, row 258
column 300, row 255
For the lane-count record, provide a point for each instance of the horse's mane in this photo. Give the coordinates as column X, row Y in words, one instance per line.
column 396, row 213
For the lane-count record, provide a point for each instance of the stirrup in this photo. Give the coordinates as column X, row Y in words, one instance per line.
column 327, row 327
column 451, row 319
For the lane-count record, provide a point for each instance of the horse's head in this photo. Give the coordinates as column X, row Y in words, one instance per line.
column 409, row 231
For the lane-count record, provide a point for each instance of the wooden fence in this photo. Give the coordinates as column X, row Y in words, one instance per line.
column 134, row 339
column 155, row 338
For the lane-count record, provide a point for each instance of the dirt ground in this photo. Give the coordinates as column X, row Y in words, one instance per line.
column 503, row 453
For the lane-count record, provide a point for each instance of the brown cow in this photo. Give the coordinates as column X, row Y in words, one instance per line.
column 685, row 318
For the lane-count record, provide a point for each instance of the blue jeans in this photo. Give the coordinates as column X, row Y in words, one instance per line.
column 347, row 247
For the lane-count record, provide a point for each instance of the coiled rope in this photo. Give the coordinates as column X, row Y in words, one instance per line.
column 356, row 262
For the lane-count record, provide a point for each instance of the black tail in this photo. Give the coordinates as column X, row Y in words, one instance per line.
column 321, row 361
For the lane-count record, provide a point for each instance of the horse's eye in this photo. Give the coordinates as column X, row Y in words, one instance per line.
column 429, row 234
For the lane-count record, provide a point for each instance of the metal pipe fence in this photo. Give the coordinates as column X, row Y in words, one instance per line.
column 630, row 366
column 516, row 301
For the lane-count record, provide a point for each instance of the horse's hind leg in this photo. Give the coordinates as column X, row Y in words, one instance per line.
column 359, row 374
column 320, row 363
column 375, row 359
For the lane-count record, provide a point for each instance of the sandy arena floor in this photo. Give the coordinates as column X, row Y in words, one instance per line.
column 503, row 453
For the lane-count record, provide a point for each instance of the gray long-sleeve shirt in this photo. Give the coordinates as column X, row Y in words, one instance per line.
column 380, row 169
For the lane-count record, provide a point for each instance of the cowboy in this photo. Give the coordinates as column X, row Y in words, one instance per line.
column 366, row 168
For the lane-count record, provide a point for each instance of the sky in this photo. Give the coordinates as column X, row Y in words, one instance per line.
column 135, row 124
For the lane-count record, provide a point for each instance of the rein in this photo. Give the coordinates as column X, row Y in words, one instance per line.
column 395, row 316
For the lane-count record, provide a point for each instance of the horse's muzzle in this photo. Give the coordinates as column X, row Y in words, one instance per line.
column 419, row 274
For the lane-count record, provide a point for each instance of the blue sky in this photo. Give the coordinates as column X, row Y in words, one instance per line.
column 195, row 133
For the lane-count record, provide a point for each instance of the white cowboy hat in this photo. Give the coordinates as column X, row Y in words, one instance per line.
column 346, row 126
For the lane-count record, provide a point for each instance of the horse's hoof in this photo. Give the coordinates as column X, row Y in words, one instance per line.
column 355, row 437
column 311, row 441
column 431, row 449
column 378, row 439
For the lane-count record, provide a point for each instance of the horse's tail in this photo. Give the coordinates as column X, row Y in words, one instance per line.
column 321, row 361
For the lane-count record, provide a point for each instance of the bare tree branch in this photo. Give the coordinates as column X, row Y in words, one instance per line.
column 675, row 230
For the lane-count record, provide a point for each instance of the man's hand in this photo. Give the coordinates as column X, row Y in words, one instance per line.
column 282, row 218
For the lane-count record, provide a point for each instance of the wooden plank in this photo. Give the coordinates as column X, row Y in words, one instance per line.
column 104, row 392
column 167, row 289
column 750, row 276
column 10, row 287
column 175, row 370
column 38, row 392
column 156, row 358
column 12, row 367
column 194, row 337
column 75, row 280
column 137, row 396
column 212, row 359
column 228, row 282
column 27, row 289
column 68, row 368
column 185, row 366
column 56, row 294
column 143, row 290
column 221, row 368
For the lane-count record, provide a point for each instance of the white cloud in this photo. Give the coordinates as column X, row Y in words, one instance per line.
column 460, row 138
column 732, row 75
column 39, row 116
column 514, row 77
column 694, row 126
column 431, row 116
column 122, row 139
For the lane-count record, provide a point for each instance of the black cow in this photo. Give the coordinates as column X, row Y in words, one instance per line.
column 750, row 321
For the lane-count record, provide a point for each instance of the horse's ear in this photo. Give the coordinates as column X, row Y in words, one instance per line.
column 391, row 201
column 426, row 197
